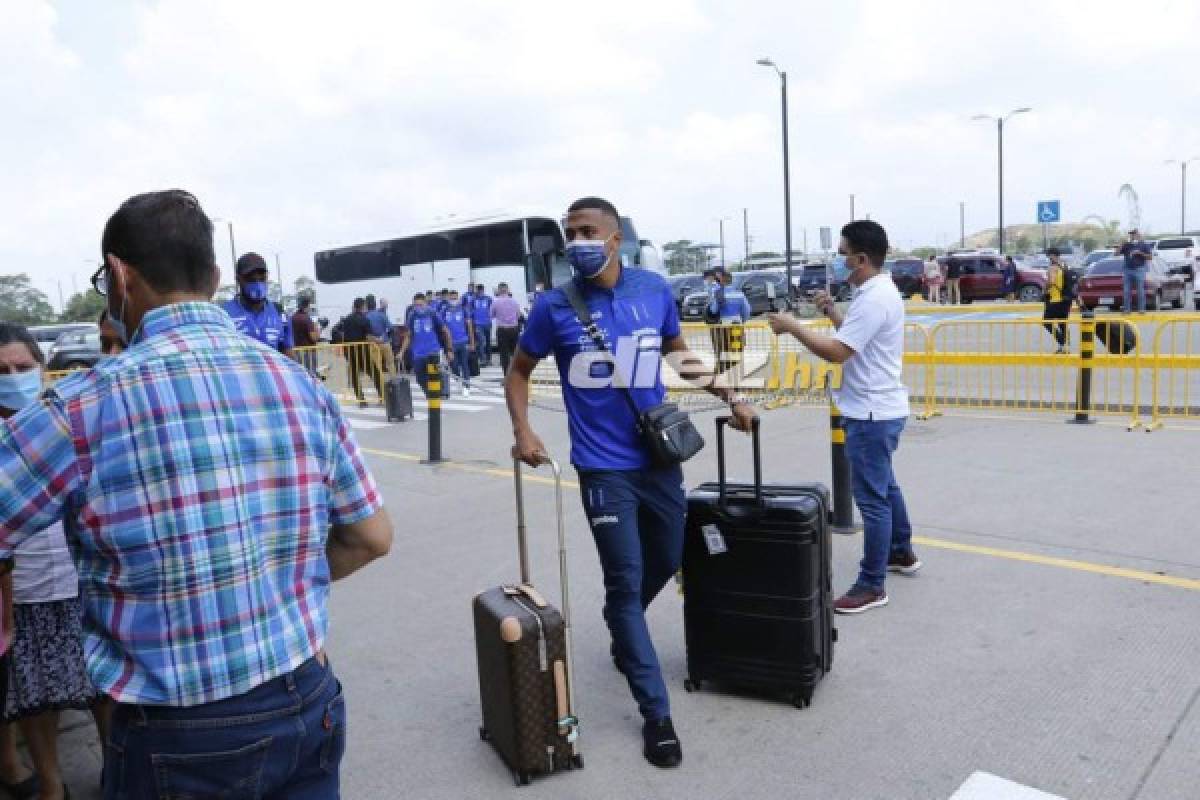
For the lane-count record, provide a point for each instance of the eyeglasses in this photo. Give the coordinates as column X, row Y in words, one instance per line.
column 100, row 281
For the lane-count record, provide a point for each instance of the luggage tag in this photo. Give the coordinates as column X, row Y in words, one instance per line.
column 713, row 540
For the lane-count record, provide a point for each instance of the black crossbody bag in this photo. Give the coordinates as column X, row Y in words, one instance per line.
column 666, row 431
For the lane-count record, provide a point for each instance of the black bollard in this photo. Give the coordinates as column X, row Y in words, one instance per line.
column 433, row 393
column 1087, row 352
column 843, row 500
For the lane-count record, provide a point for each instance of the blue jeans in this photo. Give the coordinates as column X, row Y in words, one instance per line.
column 637, row 522
column 462, row 367
column 281, row 741
column 1135, row 280
column 483, row 342
column 886, row 529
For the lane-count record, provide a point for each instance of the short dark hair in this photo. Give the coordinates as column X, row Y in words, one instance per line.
column 166, row 237
column 867, row 237
column 303, row 301
column 597, row 204
column 11, row 333
column 370, row 302
column 359, row 303
column 1053, row 251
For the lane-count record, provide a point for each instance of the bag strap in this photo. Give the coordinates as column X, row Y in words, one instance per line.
column 575, row 298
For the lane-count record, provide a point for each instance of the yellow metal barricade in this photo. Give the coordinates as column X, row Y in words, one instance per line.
column 1176, row 393
column 1015, row 365
column 353, row 371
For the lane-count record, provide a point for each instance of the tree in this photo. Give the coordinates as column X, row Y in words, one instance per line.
column 83, row 307
column 924, row 252
column 22, row 304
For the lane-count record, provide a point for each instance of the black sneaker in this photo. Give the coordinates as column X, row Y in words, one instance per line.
column 904, row 563
column 662, row 745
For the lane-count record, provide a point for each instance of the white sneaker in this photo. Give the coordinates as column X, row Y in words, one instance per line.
column 466, row 391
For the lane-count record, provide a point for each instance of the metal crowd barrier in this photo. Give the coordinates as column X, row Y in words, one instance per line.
column 990, row 365
column 1176, row 392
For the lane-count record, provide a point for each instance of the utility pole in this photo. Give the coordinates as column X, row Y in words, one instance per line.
column 721, row 222
column 1000, row 163
column 852, row 208
column 1183, row 165
column 962, row 224
column 746, row 233
column 232, row 247
column 279, row 277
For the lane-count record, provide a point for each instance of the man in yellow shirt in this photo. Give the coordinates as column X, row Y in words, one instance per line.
column 1058, row 304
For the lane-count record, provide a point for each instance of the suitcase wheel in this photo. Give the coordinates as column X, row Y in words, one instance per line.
column 691, row 685
column 484, row 735
column 521, row 778
column 577, row 761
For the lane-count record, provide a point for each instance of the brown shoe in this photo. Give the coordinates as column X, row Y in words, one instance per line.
column 860, row 599
column 904, row 563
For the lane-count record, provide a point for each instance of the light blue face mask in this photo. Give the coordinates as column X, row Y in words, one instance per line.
column 588, row 256
column 20, row 389
column 841, row 270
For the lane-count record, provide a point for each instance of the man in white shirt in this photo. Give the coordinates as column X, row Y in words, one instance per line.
column 869, row 344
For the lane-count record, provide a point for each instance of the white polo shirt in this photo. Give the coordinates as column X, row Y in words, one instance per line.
column 873, row 328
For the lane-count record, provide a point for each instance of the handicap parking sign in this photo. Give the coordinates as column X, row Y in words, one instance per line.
column 1047, row 211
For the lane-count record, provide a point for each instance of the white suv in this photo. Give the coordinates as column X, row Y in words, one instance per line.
column 1182, row 257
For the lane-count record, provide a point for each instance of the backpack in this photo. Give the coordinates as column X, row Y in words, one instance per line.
column 338, row 334
column 1070, row 284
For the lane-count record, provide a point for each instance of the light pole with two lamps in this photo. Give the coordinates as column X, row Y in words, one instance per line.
column 1000, row 159
column 787, row 178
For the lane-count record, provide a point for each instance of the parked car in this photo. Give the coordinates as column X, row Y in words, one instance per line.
column 683, row 285
column 47, row 335
column 1097, row 255
column 907, row 273
column 764, row 290
column 74, row 350
column 812, row 280
column 982, row 277
column 1182, row 256
column 1103, row 285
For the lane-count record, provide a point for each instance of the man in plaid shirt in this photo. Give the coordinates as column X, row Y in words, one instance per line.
column 211, row 492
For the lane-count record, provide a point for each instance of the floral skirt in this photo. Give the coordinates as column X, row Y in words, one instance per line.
column 46, row 669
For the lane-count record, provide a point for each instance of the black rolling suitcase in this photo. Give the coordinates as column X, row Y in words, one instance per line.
column 398, row 400
column 1117, row 337
column 523, row 646
column 757, row 583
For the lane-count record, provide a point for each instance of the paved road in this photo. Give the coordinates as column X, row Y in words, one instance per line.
column 1051, row 639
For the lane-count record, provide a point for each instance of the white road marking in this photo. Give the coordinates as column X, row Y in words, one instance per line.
column 985, row 786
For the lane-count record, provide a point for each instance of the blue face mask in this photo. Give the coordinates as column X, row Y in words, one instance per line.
column 20, row 389
column 841, row 270
column 255, row 291
column 588, row 256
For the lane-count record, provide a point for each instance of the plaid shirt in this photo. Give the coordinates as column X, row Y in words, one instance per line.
column 198, row 474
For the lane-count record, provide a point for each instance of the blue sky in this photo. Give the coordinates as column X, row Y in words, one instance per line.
column 310, row 124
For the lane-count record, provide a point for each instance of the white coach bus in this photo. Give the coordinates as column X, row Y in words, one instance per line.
column 518, row 249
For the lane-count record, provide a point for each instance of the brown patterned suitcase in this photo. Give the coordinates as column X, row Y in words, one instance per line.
column 523, row 646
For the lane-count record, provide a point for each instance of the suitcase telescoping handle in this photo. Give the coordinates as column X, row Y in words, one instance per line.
column 721, row 423
column 523, row 551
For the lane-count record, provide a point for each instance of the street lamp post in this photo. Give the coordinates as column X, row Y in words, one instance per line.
column 232, row 247
column 787, row 177
column 1000, row 160
column 962, row 224
column 721, row 224
column 1183, row 164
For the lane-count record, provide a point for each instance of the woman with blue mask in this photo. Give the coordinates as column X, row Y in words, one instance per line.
column 44, row 667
